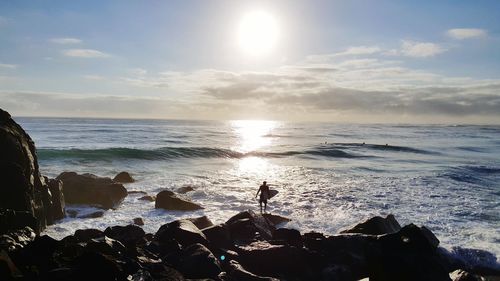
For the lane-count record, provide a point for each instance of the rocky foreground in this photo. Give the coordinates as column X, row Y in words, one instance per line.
column 247, row 247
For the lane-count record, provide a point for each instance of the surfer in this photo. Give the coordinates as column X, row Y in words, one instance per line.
column 264, row 195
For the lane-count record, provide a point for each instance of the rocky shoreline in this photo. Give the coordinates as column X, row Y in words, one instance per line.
column 248, row 246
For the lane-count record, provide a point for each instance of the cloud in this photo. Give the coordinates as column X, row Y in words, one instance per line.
column 85, row 53
column 8, row 66
column 351, row 51
column 65, row 40
column 420, row 49
column 466, row 33
column 93, row 77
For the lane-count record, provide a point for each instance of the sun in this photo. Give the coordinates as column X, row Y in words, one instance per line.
column 258, row 33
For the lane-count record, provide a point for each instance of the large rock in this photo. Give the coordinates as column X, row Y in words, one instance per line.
column 123, row 177
column 129, row 235
column 236, row 272
column 183, row 231
column 376, row 226
column 166, row 199
column 250, row 226
column 22, row 187
column 58, row 202
column 198, row 262
column 91, row 189
column 201, row 222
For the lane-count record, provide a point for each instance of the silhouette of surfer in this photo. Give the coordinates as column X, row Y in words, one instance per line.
column 264, row 195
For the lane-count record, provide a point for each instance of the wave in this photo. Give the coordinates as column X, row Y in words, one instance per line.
column 178, row 152
column 385, row 147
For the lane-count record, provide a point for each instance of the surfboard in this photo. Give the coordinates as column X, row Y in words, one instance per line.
column 272, row 193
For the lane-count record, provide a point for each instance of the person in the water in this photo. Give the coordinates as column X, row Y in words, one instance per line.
column 264, row 195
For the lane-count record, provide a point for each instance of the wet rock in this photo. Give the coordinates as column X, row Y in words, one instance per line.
column 276, row 219
column 106, row 245
column 183, row 231
column 58, row 202
column 136, row 192
column 201, row 222
column 249, row 225
column 168, row 200
column 148, row 198
column 376, row 226
column 16, row 239
column 185, row 189
column 23, row 187
column 236, row 272
column 198, row 262
column 37, row 254
column 138, row 221
column 218, row 236
column 85, row 235
column 290, row 236
column 129, row 235
column 11, row 220
column 96, row 266
column 123, row 177
column 72, row 213
column 410, row 254
column 461, row 275
column 93, row 215
column 91, row 189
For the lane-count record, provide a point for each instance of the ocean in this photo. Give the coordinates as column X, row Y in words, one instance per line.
column 329, row 176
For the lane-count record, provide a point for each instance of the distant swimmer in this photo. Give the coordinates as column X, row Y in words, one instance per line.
column 264, row 195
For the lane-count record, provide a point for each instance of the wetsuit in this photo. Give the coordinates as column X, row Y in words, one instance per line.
column 264, row 193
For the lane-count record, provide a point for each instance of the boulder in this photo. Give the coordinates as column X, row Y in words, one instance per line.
column 85, row 235
column 91, row 189
column 58, row 202
column 201, row 222
column 23, row 188
column 11, row 220
column 249, row 225
column 409, row 254
column 376, row 226
column 138, row 221
column 129, row 235
column 182, row 231
column 123, row 177
column 218, row 236
column 185, row 189
column 148, row 198
column 93, row 215
column 461, row 275
column 276, row 219
column 16, row 239
column 198, row 262
column 291, row 237
column 236, row 272
column 168, row 200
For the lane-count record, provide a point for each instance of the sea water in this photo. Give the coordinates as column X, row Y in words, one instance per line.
column 329, row 176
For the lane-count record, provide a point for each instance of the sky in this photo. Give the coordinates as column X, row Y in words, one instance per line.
column 331, row 61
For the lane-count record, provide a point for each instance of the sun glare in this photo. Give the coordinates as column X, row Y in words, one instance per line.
column 258, row 33
column 252, row 134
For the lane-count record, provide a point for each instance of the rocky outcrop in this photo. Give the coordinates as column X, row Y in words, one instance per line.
column 376, row 226
column 92, row 190
column 168, row 200
column 181, row 251
column 123, row 177
column 23, row 189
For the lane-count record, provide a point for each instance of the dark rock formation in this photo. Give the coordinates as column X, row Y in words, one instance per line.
column 185, row 189
column 250, row 226
column 236, row 272
column 376, row 226
column 138, row 221
column 91, row 189
column 168, row 200
column 183, row 231
column 23, row 189
column 148, row 198
column 201, row 222
column 93, row 215
column 123, row 177
column 128, row 235
column 197, row 261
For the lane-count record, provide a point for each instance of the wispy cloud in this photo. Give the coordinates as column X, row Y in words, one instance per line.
column 466, row 33
column 65, row 40
column 420, row 49
column 85, row 53
column 93, row 77
column 351, row 51
column 9, row 66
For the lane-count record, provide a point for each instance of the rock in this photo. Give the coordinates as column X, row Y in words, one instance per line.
column 249, row 225
column 376, row 226
column 275, row 219
column 198, row 262
column 23, row 187
column 93, row 215
column 183, row 231
column 85, row 235
column 201, row 222
column 185, row 189
column 72, row 213
column 58, row 202
column 129, row 235
column 11, row 220
column 123, row 177
column 236, row 272
column 168, row 200
column 409, row 254
column 106, row 245
column 136, row 192
column 290, row 236
column 16, row 239
column 37, row 254
column 96, row 266
column 461, row 275
column 92, row 190
column 218, row 236
column 138, row 221
column 148, row 198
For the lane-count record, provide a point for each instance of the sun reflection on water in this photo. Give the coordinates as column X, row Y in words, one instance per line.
column 252, row 134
